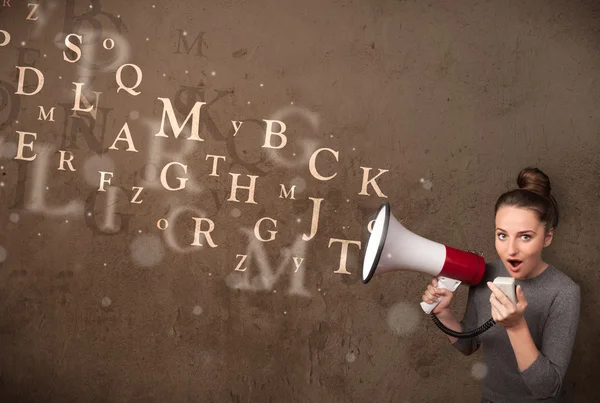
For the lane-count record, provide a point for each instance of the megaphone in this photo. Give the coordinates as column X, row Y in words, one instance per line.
column 392, row 247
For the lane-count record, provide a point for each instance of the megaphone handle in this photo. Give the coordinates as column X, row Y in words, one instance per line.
column 443, row 282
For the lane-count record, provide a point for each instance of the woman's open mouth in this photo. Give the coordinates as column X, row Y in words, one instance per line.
column 514, row 264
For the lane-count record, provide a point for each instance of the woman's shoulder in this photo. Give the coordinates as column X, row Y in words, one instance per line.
column 565, row 287
column 557, row 287
column 561, row 277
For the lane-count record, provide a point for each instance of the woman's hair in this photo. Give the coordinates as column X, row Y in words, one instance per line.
column 533, row 194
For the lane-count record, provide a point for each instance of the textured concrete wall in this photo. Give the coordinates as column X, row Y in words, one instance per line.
column 98, row 304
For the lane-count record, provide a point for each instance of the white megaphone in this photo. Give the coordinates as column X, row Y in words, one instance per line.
column 392, row 247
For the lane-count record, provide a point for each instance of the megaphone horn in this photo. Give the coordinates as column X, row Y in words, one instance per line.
column 392, row 247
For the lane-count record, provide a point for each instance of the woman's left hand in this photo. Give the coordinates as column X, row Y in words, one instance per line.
column 504, row 311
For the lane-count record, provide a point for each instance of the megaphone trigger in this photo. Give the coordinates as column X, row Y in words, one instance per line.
column 443, row 282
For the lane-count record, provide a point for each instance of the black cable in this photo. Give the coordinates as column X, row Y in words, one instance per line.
column 463, row 335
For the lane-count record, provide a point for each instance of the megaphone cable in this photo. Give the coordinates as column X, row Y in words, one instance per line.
column 463, row 335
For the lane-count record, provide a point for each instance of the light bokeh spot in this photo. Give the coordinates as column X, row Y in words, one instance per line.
column 147, row 250
column 403, row 318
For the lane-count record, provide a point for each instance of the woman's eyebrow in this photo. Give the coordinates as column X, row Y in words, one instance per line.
column 520, row 232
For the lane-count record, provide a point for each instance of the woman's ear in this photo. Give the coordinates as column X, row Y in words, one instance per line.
column 548, row 237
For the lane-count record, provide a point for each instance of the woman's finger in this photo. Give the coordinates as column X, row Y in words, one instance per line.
column 497, row 305
column 427, row 294
column 431, row 298
column 496, row 315
column 431, row 295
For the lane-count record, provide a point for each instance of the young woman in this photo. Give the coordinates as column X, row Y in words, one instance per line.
column 527, row 352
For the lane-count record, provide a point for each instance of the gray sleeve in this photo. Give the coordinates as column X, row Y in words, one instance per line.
column 469, row 322
column 545, row 375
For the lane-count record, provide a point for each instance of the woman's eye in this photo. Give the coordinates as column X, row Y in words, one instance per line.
column 500, row 236
column 527, row 237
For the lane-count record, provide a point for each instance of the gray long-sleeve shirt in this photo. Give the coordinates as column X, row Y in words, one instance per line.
column 552, row 315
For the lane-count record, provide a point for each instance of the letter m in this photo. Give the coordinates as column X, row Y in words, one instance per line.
column 44, row 116
column 187, row 46
column 284, row 194
column 169, row 113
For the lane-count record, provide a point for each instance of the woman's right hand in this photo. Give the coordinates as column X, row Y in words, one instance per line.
column 432, row 293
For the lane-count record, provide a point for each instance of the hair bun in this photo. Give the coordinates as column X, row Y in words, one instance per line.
column 534, row 180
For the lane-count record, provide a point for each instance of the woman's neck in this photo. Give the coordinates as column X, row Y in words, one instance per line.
column 542, row 266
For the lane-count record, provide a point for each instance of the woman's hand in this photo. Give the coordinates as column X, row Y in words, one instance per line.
column 504, row 311
column 432, row 293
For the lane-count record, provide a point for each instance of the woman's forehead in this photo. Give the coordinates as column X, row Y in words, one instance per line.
column 516, row 217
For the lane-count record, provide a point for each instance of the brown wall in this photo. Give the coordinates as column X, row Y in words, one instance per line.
column 97, row 304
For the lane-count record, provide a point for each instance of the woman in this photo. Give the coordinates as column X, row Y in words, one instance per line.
column 528, row 351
